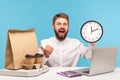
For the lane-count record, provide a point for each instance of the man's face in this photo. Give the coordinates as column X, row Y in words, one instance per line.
column 61, row 28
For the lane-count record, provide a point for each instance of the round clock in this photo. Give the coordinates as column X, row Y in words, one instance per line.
column 91, row 31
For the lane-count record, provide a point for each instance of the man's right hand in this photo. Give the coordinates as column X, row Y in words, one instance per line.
column 47, row 50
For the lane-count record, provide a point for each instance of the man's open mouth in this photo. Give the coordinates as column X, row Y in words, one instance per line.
column 61, row 31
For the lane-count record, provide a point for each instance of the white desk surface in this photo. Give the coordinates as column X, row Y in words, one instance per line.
column 51, row 75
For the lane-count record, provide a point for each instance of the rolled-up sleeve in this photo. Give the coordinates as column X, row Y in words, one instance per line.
column 86, row 52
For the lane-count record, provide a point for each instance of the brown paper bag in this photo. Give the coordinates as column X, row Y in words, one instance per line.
column 19, row 43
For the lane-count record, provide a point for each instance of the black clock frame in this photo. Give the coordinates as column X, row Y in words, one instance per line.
column 86, row 23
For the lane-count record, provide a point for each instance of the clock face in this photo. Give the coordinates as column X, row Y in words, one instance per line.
column 91, row 31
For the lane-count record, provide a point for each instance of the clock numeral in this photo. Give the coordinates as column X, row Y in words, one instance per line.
column 99, row 29
column 98, row 26
column 83, row 32
column 84, row 28
column 90, row 23
column 86, row 25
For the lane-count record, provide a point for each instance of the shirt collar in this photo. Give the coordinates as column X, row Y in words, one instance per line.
column 60, row 42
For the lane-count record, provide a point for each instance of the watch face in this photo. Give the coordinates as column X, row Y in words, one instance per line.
column 91, row 31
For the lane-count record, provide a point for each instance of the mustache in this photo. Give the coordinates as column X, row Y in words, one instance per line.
column 60, row 38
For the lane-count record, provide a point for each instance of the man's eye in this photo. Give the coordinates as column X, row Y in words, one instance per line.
column 65, row 24
column 58, row 24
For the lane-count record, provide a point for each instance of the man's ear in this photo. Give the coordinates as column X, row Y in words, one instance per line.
column 53, row 26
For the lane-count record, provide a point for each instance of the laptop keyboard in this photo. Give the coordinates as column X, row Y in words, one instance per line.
column 85, row 71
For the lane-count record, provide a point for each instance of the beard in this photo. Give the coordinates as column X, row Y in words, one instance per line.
column 61, row 38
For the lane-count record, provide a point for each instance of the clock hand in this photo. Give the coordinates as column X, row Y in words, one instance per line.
column 94, row 30
column 91, row 29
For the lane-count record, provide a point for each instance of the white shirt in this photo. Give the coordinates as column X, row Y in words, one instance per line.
column 66, row 53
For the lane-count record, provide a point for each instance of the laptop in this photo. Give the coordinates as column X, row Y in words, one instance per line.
column 103, row 61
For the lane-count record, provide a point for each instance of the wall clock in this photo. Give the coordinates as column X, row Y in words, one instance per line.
column 91, row 31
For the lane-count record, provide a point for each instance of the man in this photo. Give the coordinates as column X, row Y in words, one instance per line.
column 61, row 50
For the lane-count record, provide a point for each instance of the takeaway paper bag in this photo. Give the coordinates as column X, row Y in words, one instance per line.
column 19, row 43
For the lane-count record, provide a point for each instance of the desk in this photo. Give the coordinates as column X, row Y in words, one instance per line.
column 51, row 75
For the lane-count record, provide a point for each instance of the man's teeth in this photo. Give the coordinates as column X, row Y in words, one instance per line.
column 61, row 30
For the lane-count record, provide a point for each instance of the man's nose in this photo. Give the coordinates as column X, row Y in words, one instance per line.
column 62, row 25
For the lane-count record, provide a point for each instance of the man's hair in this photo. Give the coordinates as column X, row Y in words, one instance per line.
column 60, row 15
